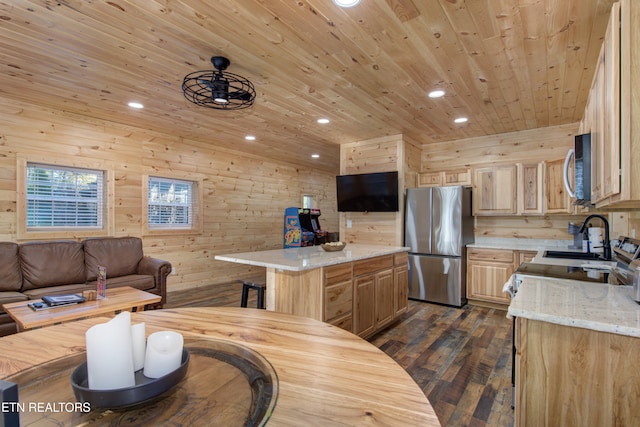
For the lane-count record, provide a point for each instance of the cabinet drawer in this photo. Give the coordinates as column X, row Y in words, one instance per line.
column 345, row 322
column 400, row 259
column 372, row 265
column 498, row 255
column 338, row 300
column 337, row 273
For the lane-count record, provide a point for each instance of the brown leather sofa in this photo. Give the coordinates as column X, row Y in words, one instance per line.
column 34, row 269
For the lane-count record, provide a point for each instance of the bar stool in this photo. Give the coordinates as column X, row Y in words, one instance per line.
column 259, row 287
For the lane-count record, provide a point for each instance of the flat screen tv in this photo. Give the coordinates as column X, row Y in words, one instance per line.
column 369, row 192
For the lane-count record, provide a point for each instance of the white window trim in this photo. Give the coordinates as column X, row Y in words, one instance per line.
column 197, row 213
column 63, row 233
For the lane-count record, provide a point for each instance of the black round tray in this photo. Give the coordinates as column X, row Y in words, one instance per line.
column 145, row 388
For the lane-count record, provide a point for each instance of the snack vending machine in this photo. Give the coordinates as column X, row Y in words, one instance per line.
column 302, row 228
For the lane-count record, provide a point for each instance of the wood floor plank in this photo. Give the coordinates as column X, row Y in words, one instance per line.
column 460, row 357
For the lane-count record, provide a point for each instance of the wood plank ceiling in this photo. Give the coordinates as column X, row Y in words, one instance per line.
column 507, row 65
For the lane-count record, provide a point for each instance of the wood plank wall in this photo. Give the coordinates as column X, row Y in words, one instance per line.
column 244, row 195
column 529, row 146
column 383, row 154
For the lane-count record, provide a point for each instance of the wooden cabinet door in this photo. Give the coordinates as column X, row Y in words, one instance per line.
column 401, row 291
column 486, row 280
column 338, row 295
column 487, row 272
column 495, row 190
column 610, row 141
column 605, row 116
column 530, row 185
column 556, row 198
column 364, row 304
column 524, row 256
column 385, row 302
column 430, row 179
column 457, row 177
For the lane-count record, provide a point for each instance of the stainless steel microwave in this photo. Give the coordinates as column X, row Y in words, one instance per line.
column 581, row 154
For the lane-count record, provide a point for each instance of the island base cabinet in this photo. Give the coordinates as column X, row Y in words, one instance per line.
column 365, row 294
column 401, row 289
column 362, row 297
column 296, row 292
column 338, row 296
column 569, row 376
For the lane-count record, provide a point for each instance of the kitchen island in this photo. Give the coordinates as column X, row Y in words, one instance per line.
column 362, row 288
column 576, row 349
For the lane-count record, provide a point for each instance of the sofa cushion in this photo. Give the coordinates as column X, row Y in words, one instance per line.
column 57, row 290
column 51, row 263
column 10, row 274
column 11, row 296
column 138, row 281
column 120, row 256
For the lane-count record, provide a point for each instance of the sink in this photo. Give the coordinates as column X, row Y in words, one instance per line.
column 570, row 255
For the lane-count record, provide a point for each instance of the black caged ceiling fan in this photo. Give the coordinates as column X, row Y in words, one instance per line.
column 219, row 89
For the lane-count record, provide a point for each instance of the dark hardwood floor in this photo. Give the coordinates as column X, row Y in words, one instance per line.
column 461, row 358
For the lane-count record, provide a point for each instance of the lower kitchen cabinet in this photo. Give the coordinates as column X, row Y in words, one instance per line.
column 400, row 283
column 338, row 295
column 568, row 376
column 487, row 272
column 364, row 305
column 365, row 296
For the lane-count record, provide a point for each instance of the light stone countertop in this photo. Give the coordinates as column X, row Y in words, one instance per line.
column 520, row 244
column 595, row 306
column 310, row 257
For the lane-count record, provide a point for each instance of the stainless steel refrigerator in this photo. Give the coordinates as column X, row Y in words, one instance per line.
column 438, row 226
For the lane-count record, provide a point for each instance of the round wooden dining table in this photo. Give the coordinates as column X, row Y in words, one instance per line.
column 323, row 375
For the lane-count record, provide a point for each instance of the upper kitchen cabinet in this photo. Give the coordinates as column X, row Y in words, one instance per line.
column 446, row 177
column 612, row 114
column 509, row 190
column 556, row 197
column 530, row 188
column 602, row 115
column 494, row 190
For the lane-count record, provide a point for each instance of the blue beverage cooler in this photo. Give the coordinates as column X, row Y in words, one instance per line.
column 302, row 228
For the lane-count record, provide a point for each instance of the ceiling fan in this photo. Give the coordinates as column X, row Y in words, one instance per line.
column 218, row 88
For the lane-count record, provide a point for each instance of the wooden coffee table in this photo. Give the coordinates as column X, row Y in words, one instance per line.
column 124, row 298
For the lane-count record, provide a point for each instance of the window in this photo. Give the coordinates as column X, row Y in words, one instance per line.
column 171, row 203
column 60, row 197
column 308, row 201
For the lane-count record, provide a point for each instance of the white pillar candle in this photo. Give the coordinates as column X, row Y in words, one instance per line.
column 139, row 343
column 110, row 355
column 163, row 355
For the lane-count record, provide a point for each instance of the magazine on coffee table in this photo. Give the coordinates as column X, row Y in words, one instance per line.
column 57, row 300
column 37, row 306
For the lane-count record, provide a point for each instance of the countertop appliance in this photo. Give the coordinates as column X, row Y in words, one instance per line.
column 438, row 225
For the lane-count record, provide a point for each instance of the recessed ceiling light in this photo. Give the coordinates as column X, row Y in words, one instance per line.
column 461, row 120
column 315, row 156
column 436, row 94
column 135, row 105
column 346, row 3
column 323, row 121
column 250, row 138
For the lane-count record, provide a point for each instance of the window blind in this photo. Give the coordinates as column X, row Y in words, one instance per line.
column 62, row 197
column 170, row 203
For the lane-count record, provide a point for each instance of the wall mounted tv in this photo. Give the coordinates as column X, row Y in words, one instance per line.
column 369, row 192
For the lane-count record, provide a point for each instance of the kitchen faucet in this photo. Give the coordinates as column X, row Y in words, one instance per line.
column 607, row 243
